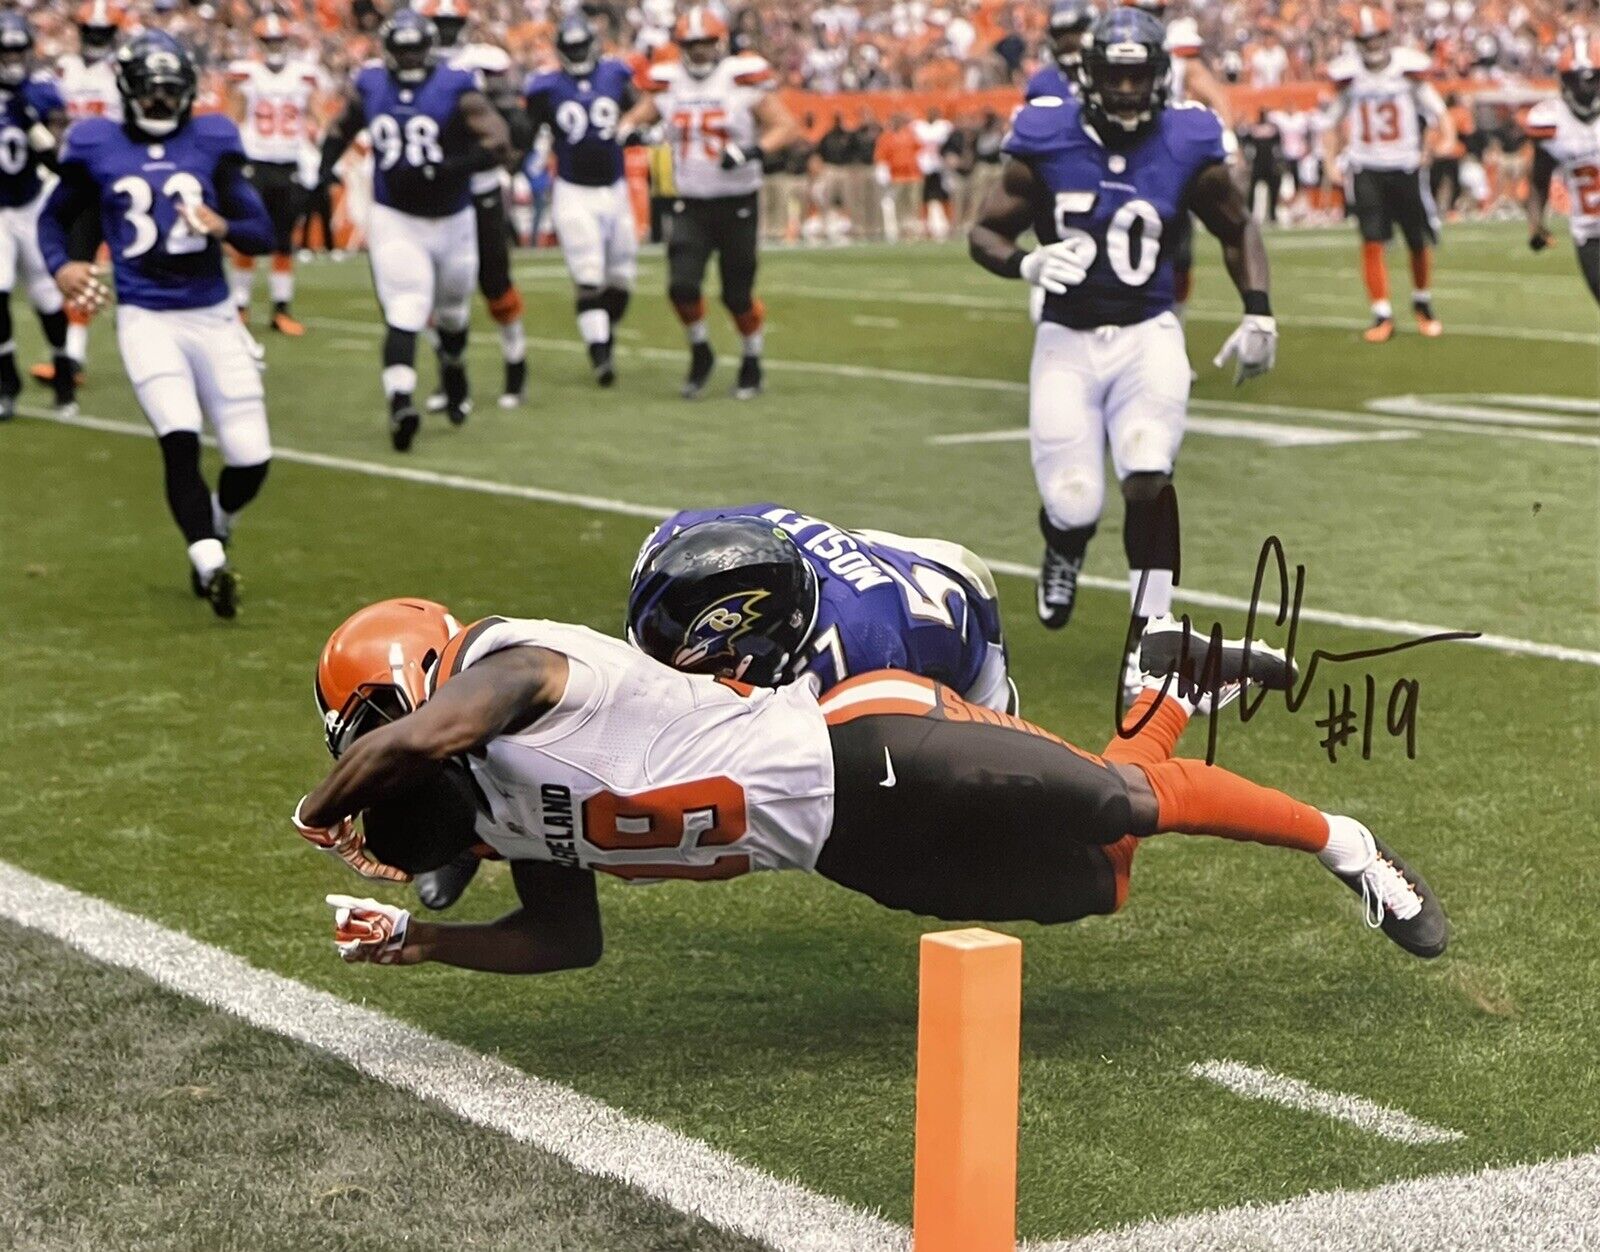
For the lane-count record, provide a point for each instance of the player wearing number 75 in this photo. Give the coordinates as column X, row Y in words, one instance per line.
column 1105, row 182
column 165, row 190
column 431, row 128
column 568, row 752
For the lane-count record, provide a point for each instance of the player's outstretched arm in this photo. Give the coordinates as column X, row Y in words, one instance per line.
column 557, row 927
column 505, row 692
column 1218, row 202
column 643, row 115
column 1544, row 168
column 1005, row 213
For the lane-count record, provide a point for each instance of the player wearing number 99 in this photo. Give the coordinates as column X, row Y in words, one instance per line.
column 1104, row 184
column 582, row 104
column 32, row 117
column 166, row 190
column 566, row 753
column 431, row 130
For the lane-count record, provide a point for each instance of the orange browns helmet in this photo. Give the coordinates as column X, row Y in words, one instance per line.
column 1367, row 21
column 697, row 24
column 271, row 27
column 1579, row 69
column 458, row 9
column 99, row 15
column 374, row 667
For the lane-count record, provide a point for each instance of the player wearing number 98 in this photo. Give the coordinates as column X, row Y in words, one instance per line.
column 32, row 117
column 431, row 128
column 1104, row 183
column 567, row 752
column 582, row 104
column 166, row 190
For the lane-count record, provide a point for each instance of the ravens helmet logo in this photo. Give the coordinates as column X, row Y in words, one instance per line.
column 711, row 635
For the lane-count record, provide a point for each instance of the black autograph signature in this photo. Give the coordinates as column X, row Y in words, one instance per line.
column 1343, row 719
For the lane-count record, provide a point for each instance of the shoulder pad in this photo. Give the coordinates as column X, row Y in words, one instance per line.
column 217, row 130
column 1040, row 125
column 1342, row 69
column 1543, row 119
column 86, row 133
column 659, row 76
column 1411, row 62
column 749, row 70
column 453, row 659
column 1183, row 38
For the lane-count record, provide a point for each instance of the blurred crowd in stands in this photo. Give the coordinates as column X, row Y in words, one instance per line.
column 863, row 45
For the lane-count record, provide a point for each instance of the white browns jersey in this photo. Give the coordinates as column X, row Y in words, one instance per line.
column 931, row 138
column 89, row 88
column 277, row 109
column 1383, row 110
column 647, row 773
column 1574, row 146
column 703, row 115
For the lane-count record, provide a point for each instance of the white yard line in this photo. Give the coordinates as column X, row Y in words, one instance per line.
column 1273, row 434
column 685, row 1173
column 626, row 508
column 1375, row 1119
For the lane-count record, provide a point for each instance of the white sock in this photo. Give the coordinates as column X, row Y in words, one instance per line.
column 77, row 341
column 1350, row 848
column 595, row 325
column 281, row 285
column 1383, row 309
column 399, row 380
column 754, row 341
column 1424, row 296
column 243, row 280
column 207, row 557
column 513, row 342
column 697, row 332
column 1157, row 598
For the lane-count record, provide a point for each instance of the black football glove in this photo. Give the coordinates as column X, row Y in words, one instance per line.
column 733, row 156
column 1539, row 240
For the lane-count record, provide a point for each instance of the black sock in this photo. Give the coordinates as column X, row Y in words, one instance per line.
column 239, row 484
column 54, row 326
column 614, row 300
column 452, row 346
column 1071, row 542
column 399, row 347
column 1150, row 532
column 187, row 494
column 280, row 306
column 10, row 381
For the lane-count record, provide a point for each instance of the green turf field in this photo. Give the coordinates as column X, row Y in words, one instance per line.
column 152, row 754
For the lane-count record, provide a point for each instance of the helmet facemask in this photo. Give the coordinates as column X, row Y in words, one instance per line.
column 16, row 49
column 577, row 51
column 1374, row 49
column 275, row 53
column 450, row 30
column 408, row 54
column 1580, row 88
column 700, row 56
column 1124, row 86
column 369, row 706
column 94, row 43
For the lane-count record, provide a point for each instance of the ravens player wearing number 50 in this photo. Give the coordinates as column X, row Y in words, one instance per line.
column 166, row 190
column 1105, row 183
column 431, row 129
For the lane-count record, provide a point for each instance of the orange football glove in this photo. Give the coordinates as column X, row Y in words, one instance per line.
column 346, row 842
column 368, row 930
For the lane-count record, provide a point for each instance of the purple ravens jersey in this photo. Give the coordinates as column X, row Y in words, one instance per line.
column 136, row 185
column 1050, row 80
column 409, row 125
column 20, row 111
column 582, row 114
column 879, row 606
column 1131, row 202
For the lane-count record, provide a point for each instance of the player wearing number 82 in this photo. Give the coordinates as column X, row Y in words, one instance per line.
column 431, row 130
column 1104, row 183
column 165, row 190
column 582, row 104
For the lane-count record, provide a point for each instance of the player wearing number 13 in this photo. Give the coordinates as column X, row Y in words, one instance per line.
column 432, row 128
column 1105, row 183
column 166, row 190
column 582, row 104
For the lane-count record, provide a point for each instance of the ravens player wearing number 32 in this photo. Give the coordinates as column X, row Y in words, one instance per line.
column 1105, row 182
column 165, row 191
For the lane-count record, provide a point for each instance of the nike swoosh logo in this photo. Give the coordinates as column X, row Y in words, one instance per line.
column 888, row 765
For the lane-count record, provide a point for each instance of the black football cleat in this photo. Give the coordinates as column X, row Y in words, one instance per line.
column 516, row 384
column 603, row 364
column 1173, row 646
column 442, row 887
column 64, row 385
column 457, row 393
column 1398, row 902
column 701, row 359
column 403, row 422
column 223, row 592
column 1057, row 589
column 748, row 387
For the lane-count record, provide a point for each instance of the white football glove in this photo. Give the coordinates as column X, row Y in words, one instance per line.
column 368, row 930
column 347, row 843
column 1254, row 346
column 1059, row 267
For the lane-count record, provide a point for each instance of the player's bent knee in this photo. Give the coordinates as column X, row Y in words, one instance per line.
column 1073, row 496
column 683, row 294
column 453, row 317
column 1145, row 485
column 407, row 313
column 591, row 298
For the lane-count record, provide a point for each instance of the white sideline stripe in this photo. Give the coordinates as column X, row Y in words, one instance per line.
column 1273, row 434
column 1376, row 1119
column 1550, row 1206
column 654, row 513
column 689, row 1175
